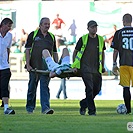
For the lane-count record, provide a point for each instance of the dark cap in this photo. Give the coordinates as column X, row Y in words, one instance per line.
column 92, row 23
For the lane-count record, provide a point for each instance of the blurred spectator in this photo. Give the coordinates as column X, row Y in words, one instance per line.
column 109, row 39
column 60, row 39
column 72, row 29
column 23, row 39
column 57, row 26
column 13, row 32
column 58, row 22
column 62, row 88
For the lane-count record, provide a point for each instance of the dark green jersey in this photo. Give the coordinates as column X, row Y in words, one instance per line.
column 123, row 42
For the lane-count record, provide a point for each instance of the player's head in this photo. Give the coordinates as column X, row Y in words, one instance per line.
column 127, row 19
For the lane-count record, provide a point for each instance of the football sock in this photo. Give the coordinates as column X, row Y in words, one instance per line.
column 48, row 59
column 5, row 107
column 65, row 60
column 51, row 64
column 127, row 98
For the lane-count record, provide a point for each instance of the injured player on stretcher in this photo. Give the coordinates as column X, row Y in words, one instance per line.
column 56, row 69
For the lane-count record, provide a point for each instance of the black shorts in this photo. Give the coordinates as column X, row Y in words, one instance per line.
column 4, row 82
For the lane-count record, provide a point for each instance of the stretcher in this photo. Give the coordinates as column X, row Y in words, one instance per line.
column 64, row 74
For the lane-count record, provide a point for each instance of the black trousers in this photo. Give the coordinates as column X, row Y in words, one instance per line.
column 4, row 82
column 93, row 83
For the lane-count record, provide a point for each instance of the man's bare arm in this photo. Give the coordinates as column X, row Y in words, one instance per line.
column 28, row 60
column 74, row 54
column 115, row 55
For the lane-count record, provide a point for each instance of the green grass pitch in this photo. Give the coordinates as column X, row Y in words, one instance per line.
column 66, row 118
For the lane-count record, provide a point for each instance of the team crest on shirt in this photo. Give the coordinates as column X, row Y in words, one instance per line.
column 37, row 38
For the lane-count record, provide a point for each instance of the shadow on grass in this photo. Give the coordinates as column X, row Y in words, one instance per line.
column 69, row 107
column 67, row 110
